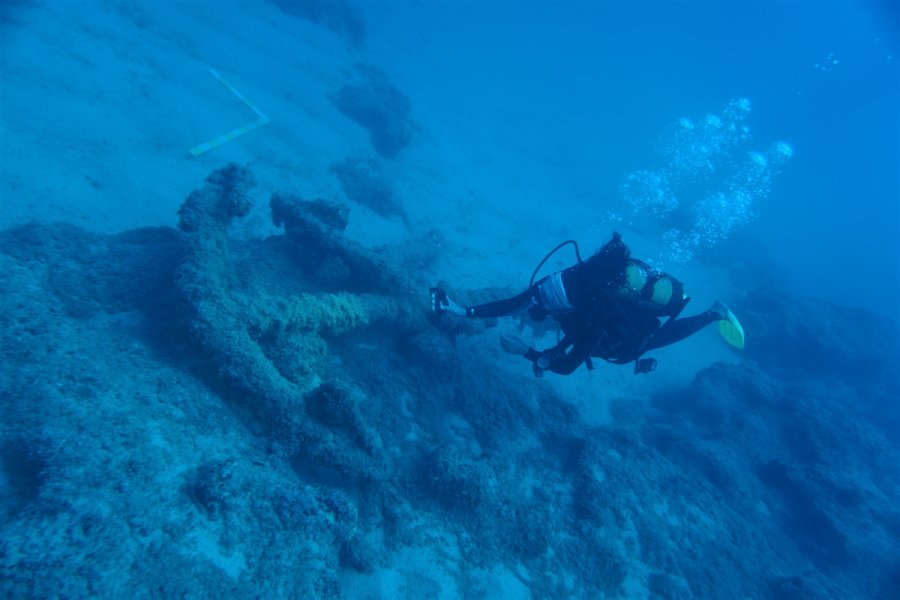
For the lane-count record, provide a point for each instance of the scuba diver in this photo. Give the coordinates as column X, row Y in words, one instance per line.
column 609, row 306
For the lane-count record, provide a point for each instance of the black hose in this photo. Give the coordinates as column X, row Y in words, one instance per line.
column 552, row 252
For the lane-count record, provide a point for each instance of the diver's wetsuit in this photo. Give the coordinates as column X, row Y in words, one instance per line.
column 575, row 288
column 620, row 343
column 594, row 320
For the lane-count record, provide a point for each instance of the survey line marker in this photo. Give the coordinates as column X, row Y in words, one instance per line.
column 235, row 133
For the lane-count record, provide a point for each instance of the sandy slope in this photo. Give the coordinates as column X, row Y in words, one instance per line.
column 100, row 106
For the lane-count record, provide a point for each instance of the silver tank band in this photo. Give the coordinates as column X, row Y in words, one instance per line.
column 552, row 294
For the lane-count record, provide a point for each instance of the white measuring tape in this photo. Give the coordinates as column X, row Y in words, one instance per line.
column 236, row 133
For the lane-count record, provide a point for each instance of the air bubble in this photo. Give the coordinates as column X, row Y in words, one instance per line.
column 709, row 185
column 758, row 158
column 783, row 149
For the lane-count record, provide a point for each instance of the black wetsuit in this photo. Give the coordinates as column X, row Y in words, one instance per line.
column 585, row 284
column 595, row 321
column 621, row 335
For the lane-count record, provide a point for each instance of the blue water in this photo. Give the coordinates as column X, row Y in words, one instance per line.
column 596, row 83
column 219, row 225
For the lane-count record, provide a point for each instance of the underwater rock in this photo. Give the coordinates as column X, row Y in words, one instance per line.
column 265, row 343
column 163, row 411
column 821, row 338
column 21, row 467
column 364, row 183
column 770, row 447
column 301, row 217
column 91, row 274
column 460, row 483
column 379, row 107
column 800, row 587
column 335, row 404
column 314, row 228
column 205, row 280
column 809, row 339
column 225, row 198
column 499, row 412
column 274, row 346
column 210, row 489
column 342, row 17
column 433, row 353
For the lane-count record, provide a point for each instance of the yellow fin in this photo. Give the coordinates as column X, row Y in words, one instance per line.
column 731, row 331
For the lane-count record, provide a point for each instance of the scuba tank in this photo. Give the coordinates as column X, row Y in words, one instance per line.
column 639, row 286
column 551, row 253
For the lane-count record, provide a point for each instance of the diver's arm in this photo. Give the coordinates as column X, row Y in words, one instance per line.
column 502, row 308
column 441, row 303
column 558, row 360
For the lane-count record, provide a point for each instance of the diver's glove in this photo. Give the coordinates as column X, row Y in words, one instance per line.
column 644, row 365
column 441, row 303
column 514, row 344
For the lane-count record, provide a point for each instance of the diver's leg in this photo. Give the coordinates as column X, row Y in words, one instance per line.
column 680, row 329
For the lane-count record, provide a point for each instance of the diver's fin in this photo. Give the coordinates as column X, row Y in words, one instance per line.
column 730, row 328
